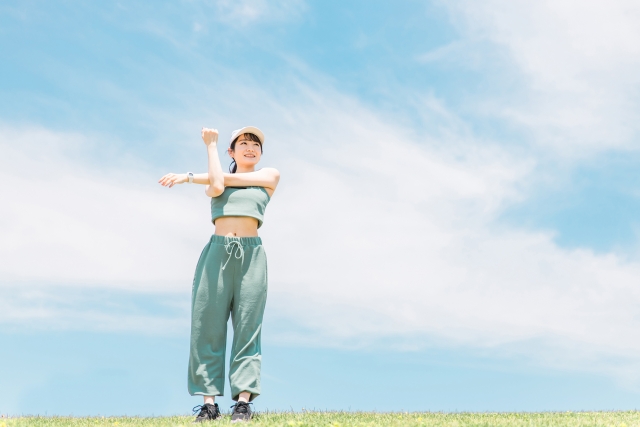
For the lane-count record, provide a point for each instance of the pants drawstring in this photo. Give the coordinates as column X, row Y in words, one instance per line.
column 229, row 245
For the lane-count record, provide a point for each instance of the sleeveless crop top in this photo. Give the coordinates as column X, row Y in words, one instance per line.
column 240, row 201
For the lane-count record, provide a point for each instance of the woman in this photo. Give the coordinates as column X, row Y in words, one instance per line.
column 231, row 275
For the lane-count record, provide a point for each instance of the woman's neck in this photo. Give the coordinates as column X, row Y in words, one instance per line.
column 244, row 169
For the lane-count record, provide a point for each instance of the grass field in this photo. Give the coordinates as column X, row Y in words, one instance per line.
column 344, row 419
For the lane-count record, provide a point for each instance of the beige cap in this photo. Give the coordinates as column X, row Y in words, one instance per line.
column 247, row 129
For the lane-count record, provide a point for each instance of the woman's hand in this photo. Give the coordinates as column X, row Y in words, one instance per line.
column 171, row 179
column 209, row 136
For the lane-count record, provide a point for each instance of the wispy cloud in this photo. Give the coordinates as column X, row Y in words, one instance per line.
column 249, row 11
column 452, row 51
column 576, row 62
column 36, row 306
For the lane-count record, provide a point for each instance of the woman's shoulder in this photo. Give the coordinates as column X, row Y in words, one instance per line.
column 274, row 175
column 270, row 170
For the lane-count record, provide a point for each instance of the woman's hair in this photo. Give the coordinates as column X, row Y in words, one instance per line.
column 251, row 137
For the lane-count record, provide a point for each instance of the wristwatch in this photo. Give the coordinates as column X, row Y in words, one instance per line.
column 190, row 176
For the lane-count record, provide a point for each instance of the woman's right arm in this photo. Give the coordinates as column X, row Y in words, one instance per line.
column 171, row 179
column 213, row 179
column 216, row 178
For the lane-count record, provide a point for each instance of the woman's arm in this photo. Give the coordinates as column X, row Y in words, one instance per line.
column 216, row 177
column 265, row 177
column 171, row 179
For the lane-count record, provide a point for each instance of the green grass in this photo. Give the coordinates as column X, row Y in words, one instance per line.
column 344, row 419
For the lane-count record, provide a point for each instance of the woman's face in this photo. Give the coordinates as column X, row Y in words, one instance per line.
column 247, row 152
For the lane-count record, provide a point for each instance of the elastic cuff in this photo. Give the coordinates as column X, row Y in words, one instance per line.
column 202, row 393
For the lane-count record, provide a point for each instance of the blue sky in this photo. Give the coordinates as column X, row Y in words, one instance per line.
column 455, row 227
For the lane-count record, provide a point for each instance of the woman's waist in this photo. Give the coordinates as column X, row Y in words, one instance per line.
column 236, row 226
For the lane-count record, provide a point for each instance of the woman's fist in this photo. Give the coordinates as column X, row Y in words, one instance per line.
column 171, row 179
column 209, row 136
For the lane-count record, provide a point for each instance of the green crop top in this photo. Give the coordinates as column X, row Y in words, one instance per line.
column 240, row 201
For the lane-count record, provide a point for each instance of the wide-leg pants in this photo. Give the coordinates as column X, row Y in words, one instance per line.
column 230, row 279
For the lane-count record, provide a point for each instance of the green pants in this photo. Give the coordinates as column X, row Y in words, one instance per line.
column 231, row 278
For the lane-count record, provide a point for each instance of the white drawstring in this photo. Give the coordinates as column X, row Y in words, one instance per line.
column 229, row 246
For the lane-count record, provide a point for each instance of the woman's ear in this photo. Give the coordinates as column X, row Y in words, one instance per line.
column 230, row 152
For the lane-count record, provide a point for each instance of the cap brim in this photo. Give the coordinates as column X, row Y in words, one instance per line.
column 247, row 129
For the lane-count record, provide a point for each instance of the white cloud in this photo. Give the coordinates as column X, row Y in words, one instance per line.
column 399, row 239
column 578, row 61
column 66, row 220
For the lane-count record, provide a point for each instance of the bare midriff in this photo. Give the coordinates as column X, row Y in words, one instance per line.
column 238, row 226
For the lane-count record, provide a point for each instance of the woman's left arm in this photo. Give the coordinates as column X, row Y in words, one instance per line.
column 265, row 177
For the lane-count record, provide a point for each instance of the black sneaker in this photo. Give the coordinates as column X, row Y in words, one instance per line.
column 208, row 412
column 241, row 412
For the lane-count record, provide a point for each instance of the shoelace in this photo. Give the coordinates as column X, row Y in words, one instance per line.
column 241, row 407
column 229, row 244
column 207, row 409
